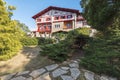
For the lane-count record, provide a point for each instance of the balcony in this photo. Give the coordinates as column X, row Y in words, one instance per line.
column 42, row 29
column 44, row 20
column 63, row 18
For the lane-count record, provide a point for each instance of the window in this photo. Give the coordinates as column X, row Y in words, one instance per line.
column 57, row 26
column 68, row 25
column 56, row 17
column 49, row 27
column 55, row 12
column 69, row 16
column 48, row 19
column 62, row 17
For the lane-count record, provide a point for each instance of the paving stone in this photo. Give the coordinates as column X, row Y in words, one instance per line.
column 37, row 72
column 103, row 77
column 51, row 67
column 75, row 72
column 96, row 77
column 7, row 77
column 75, row 61
column 65, row 62
column 75, row 65
column 22, row 73
column 65, row 77
column 65, row 68
column 58, row 72
column 45, row 76
column 19, row 78
column 30, row 78
column 78, row 60
column 89, row 75
column 111, row 78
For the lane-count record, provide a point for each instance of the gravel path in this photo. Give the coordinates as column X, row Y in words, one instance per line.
column 18, row 62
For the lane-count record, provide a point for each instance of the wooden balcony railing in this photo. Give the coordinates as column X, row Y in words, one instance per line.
column 44, row 29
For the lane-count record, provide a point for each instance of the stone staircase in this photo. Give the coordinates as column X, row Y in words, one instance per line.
column 65, row 71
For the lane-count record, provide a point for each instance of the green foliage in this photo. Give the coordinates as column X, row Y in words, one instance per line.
column 10, row 34
column 28, row 41
column 102, row 52
column 99, row 14
column 78, row 37
column 102, row 56
column 114, row 28
column 60, row 51
column 44, row 41
column 60, row 35
column 22, row 26
column 57, row 52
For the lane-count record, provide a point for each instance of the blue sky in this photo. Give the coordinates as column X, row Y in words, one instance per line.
column 28, row 8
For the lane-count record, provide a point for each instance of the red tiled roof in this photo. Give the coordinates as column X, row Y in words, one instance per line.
column 55, row 8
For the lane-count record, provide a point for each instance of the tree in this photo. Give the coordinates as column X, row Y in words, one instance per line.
column 10, row 34
column 22, row 26
column 101, row 52
column 100, row 13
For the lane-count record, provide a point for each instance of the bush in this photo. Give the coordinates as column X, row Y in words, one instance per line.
column 102, row 56
column 57, row 52
column 60, row 51
column 78, row 37
column 28, row 41
column 9, row 46
column 61, row 35
column 43, row 41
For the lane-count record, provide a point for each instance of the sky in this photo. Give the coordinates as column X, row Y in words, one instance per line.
column 25, row 9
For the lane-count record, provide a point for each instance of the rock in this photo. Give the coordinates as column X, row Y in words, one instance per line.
column 96, row 77
column 44, row 77
column 51, row 67
column 103, row 77
column 30, row 78
column 75, row 61
column 111, row 78
column 89, row 75
column 65, row 68
column 7, row 77
column 22, row 73
column 65, row 62
column 78, row 60
column 75, row 65
column 65, row 77
column 75, row 72
column 36, row 73
column 58, row 72
column 19, row 78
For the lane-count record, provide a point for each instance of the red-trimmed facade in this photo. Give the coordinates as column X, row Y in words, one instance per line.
column 53, row 19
